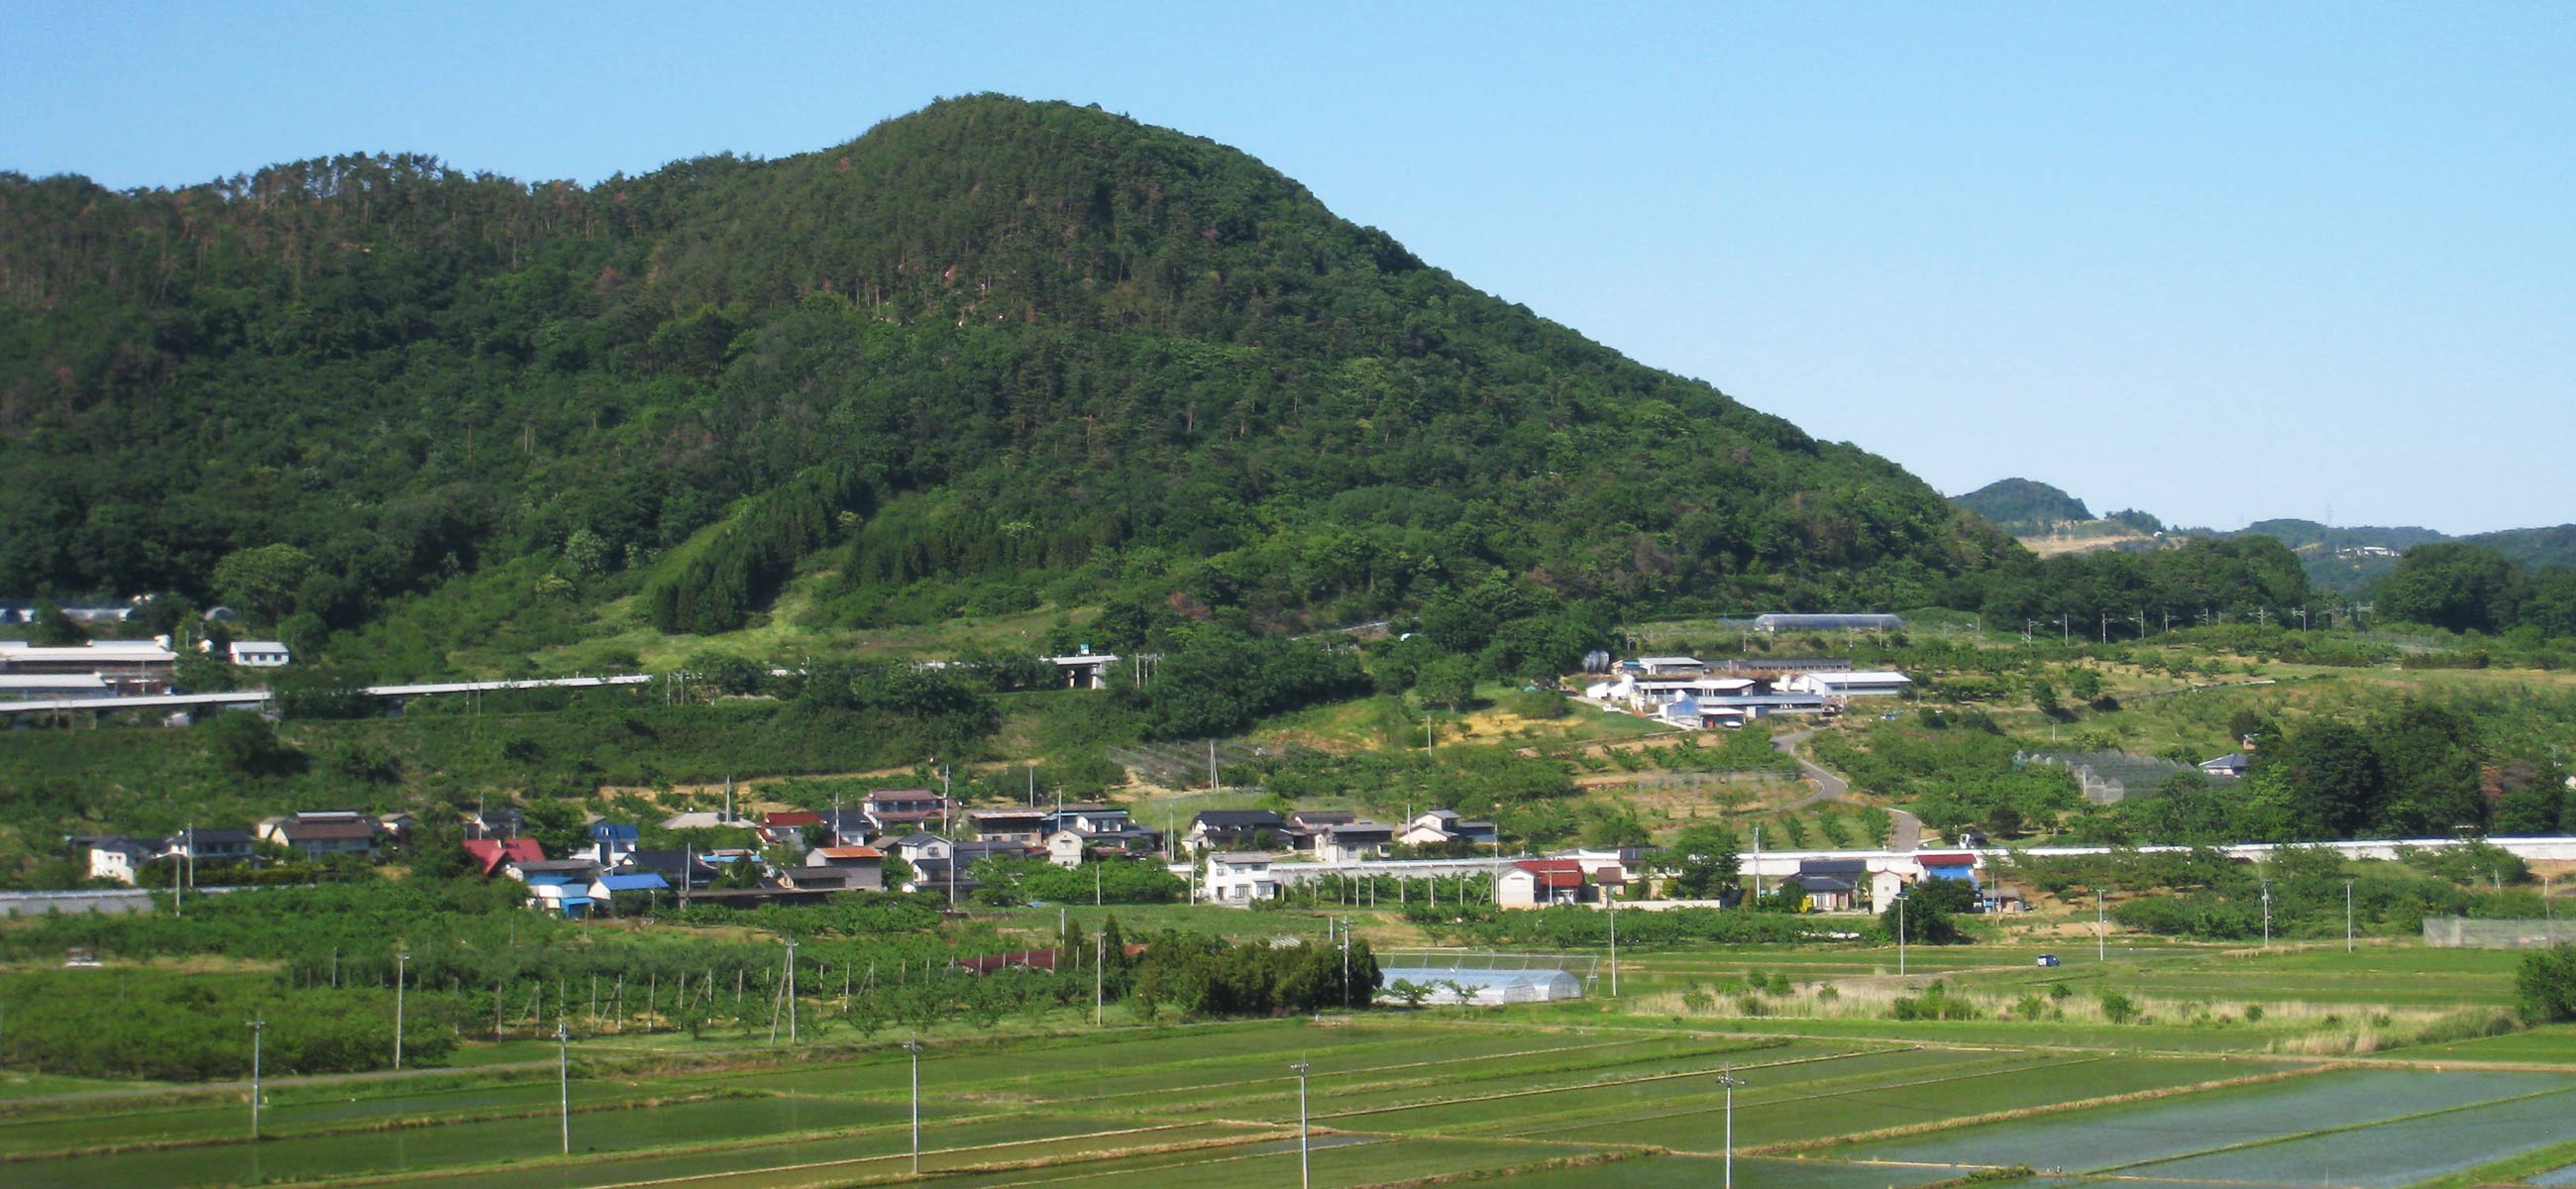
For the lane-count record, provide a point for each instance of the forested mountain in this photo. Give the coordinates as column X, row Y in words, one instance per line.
column 2024, row 506
column 2535, row 547
column 990, row 353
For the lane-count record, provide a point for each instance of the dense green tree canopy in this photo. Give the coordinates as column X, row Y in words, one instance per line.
column 990, row 352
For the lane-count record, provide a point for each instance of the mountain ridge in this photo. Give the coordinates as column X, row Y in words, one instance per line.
column 997, row 354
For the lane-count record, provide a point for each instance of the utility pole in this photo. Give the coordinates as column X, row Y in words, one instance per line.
column 1730, row 1081
column 791, row 992
column 1757, row 860
column 2101, row 930
column 1346, row 964
column 913, row 1046
column 2267, row 912
column 256, row 1027
column 1900, row 935
column 1099, row 980
column 402, row 964
column 563, row 1080
column 1614, row 945
column 1305, row 1175
column 2347, row 916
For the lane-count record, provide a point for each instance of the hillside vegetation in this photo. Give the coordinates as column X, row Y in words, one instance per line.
column 990, row 356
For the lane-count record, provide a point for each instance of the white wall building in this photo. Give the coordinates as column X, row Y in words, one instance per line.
column 1241, row 877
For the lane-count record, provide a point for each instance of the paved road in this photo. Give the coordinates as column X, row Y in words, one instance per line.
column 1906, row 828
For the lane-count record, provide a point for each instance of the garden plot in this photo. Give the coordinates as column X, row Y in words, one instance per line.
column 1568, row 1114
column 1025, row 1149
column 2123, row 1135
column 1914, row 1097
column 1701, row 1172
column 2392, row 1154
column 227, row 1117
column 1239, row 1083
column 422, row 1149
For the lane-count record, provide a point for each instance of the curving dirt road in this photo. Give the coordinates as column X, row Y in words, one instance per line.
column 1907, row 829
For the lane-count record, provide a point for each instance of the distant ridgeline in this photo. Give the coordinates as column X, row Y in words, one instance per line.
column 990, row 354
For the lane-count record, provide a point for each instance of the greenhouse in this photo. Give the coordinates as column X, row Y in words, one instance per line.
column 1484, row 988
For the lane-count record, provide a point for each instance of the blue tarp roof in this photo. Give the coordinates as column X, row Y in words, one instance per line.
column 623, row 833
column 634, row 883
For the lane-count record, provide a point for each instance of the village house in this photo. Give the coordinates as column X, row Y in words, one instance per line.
column 503, row 822
column 967, row 854
column 1444, row 827
column 1833, row 885
column 787, row 827
column 119, row 859
column 1355, row 842
column 324, row 834
column 917, row 849
column 902, row 811
column 1533, row 883
column 1234, row 829
column 225, row 846
column 677, row 866
column 609, row 842
column 258, row 654
column 490, row 855
column 860, row 868
column 1306, row 826
column 1241, row 877
column 810, row 878
column 559, row 886
column 1027, row 827
column 622, row 893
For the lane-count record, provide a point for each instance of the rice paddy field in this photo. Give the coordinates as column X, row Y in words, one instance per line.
column 1831, row 1092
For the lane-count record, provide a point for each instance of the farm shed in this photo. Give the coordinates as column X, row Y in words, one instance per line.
column 1486, row 988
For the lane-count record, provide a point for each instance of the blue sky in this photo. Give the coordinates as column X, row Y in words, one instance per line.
column 2216, row 262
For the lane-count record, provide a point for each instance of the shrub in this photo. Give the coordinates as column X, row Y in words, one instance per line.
column 2544, row 988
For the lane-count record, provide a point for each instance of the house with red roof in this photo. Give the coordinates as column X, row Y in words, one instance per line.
column 492, row 854
column 788, row 827
column 1532, row 883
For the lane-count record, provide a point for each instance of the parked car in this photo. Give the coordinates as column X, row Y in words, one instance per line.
column 2048, row 960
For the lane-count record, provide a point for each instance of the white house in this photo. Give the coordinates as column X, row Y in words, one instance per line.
column 119, row 859
column 1440, row 827
column 915, row 848
column 1065, row 847
column 1240, row 877
column 260, row 654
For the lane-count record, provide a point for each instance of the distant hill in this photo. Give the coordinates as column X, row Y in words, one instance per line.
column 2341, row 559
column 2532, row 546
column 989, row 357
column 2023, row 507
column 2300, row 534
